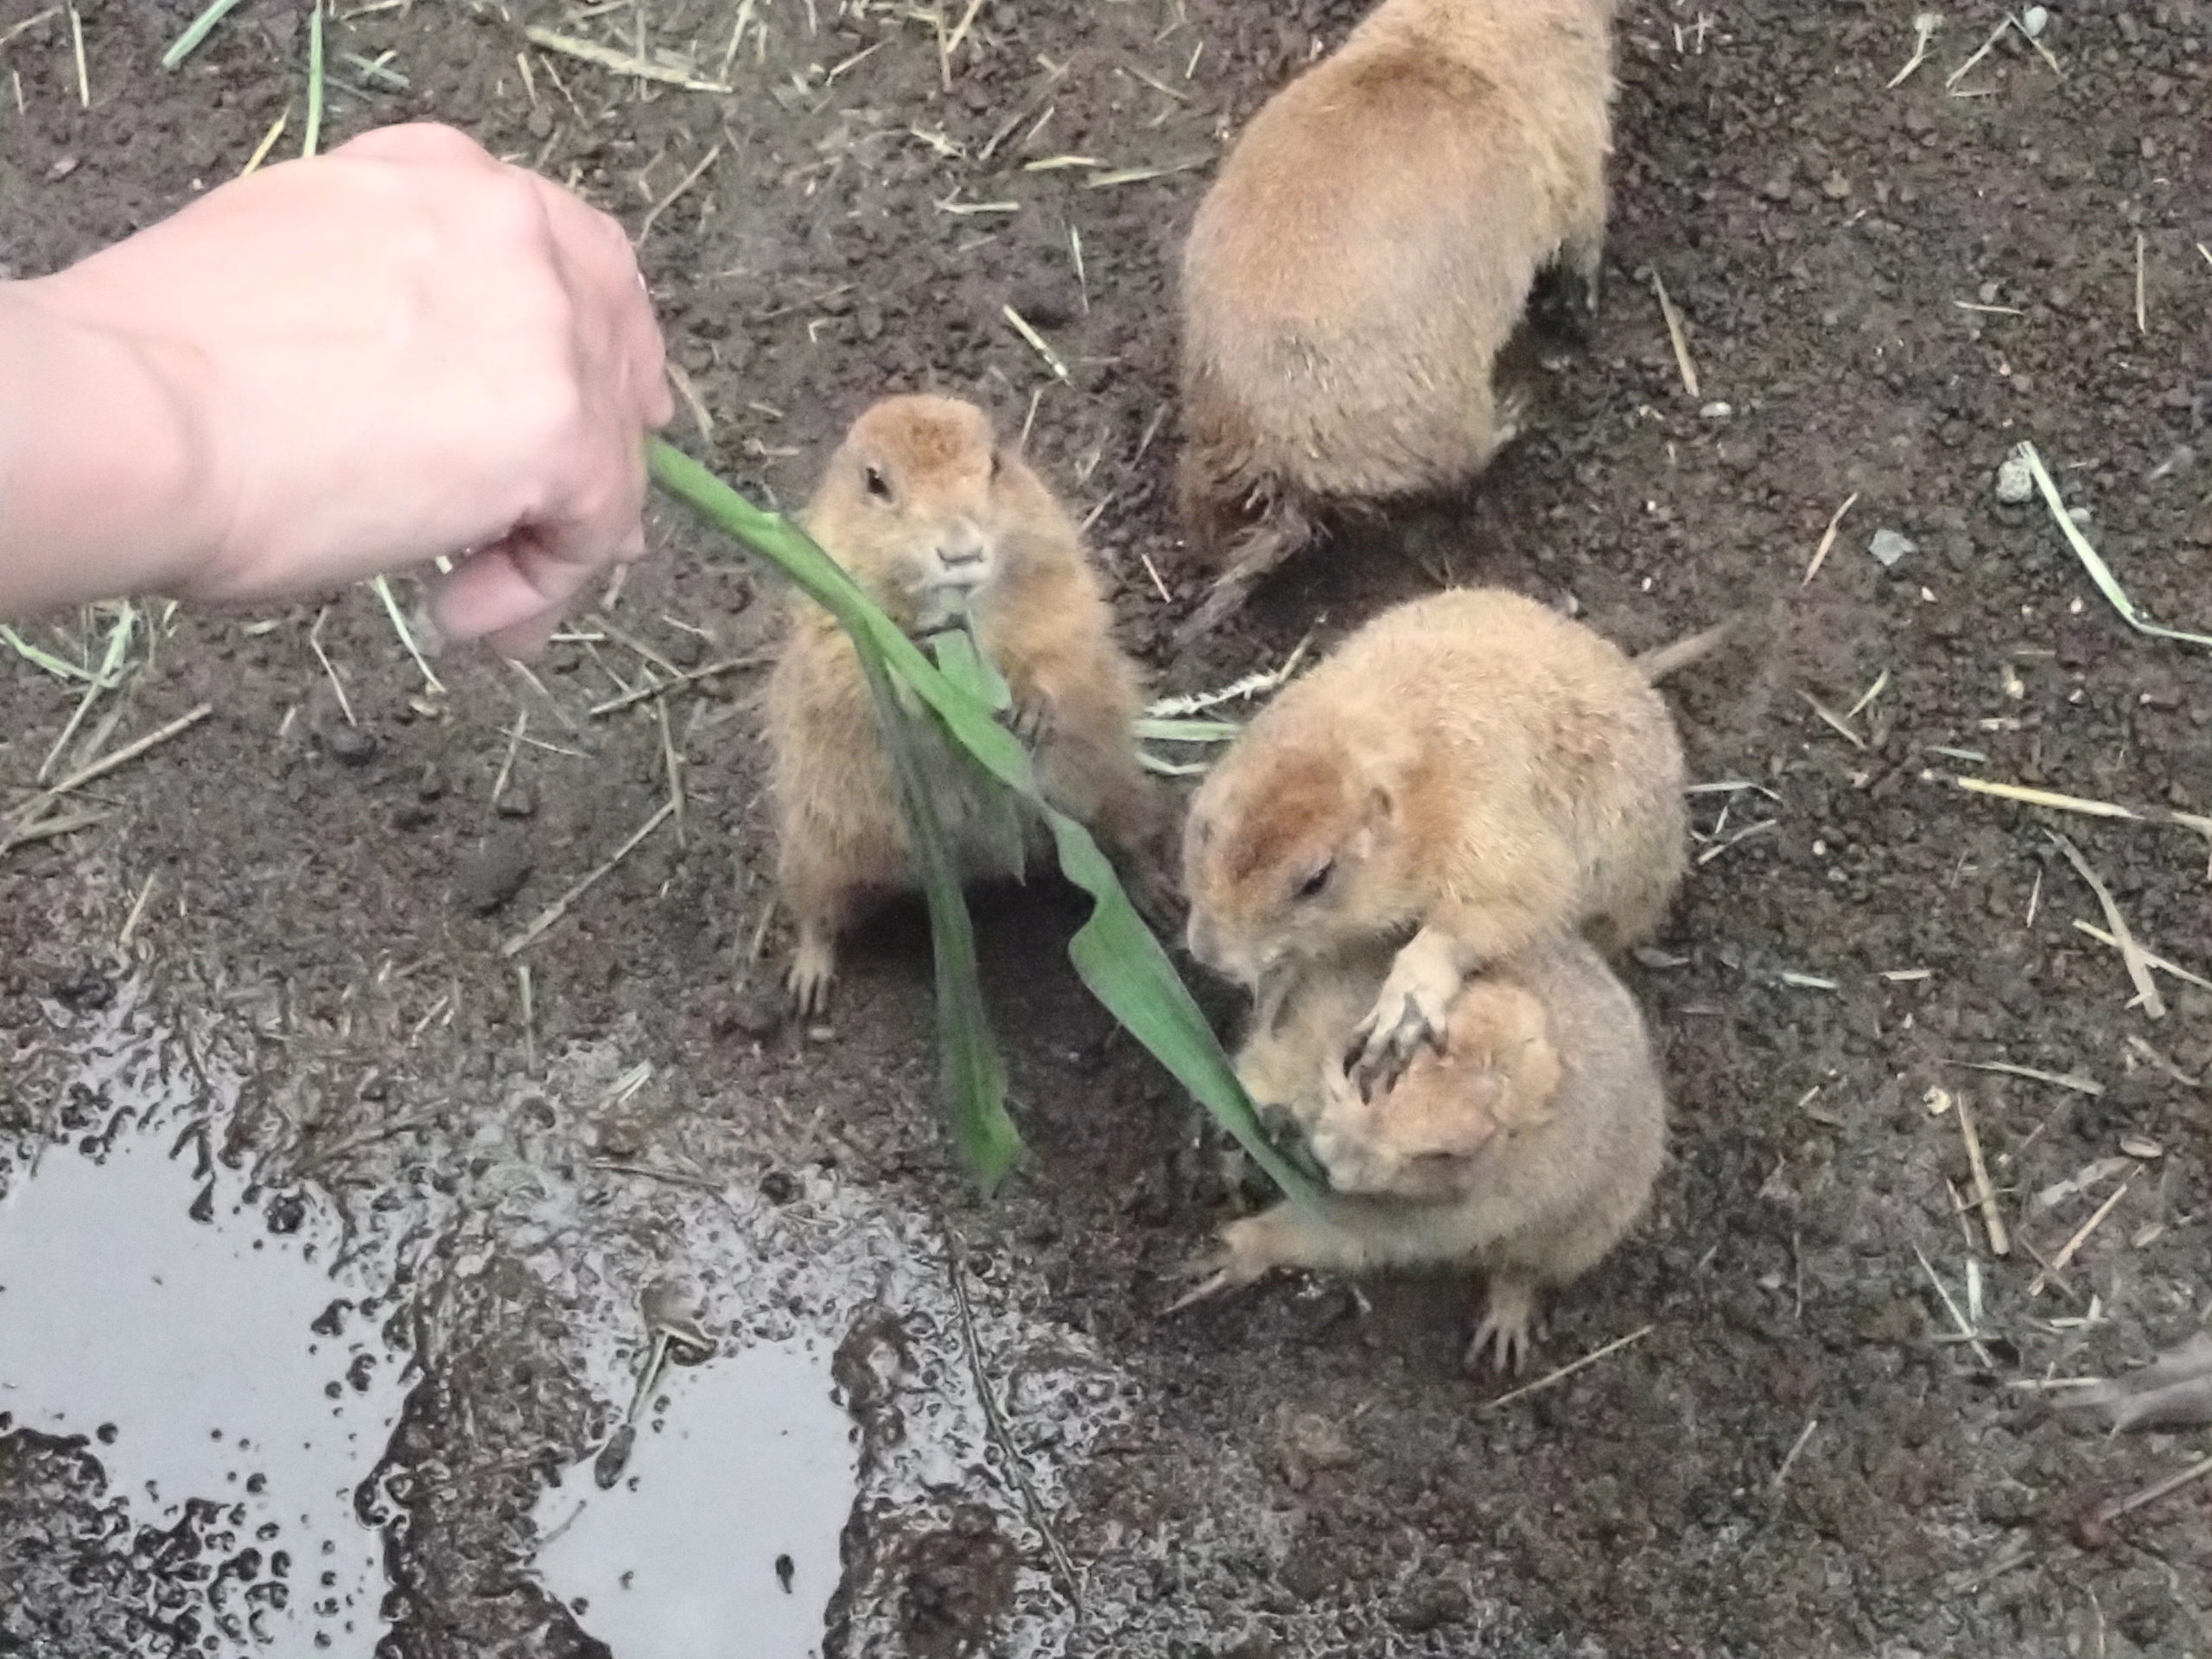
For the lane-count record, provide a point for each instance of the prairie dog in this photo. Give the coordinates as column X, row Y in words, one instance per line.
column 933, row 519
column 1369, row 245
column 1526, row 1147
column 1471, row 770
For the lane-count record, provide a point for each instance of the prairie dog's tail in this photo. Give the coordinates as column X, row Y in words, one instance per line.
column 1655, row 665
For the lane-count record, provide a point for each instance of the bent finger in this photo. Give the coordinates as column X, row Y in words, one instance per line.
column 511, row 591
column 416, row 141
column 602, row 521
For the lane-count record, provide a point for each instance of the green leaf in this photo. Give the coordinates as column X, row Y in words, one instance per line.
column 59, row 667
column 971, row 1070
column 184, row 44
column 312, row 140
column 962, row 659
column 1114, row 952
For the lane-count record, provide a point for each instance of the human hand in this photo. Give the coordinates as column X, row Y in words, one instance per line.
column 398, row 350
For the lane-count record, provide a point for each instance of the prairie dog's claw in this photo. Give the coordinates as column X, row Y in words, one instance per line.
column 1409, row 1011
column 1379, row 1054
column 814, row 969
column 1217, row 1281
column 1031, row 722
column 1504, row 1328
column 1251, row 1248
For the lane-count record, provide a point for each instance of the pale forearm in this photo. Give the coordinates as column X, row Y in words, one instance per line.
column 398, row 351
column 100, row 490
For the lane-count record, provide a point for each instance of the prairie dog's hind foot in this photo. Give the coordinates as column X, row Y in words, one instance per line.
column 1507, row 1314
column 1250, row 1248
column 813, row 970
column 1283, row 527
column 1564, row 302
column 1223, row 601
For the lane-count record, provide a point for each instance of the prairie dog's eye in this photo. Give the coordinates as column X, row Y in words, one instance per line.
column 1312, row 886
column 998, row 460
column 878, row 486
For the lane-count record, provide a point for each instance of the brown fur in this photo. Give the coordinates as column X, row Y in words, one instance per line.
column 958, row 513
column 1473, row 770
column 1369, row 247
column 1527, row 1148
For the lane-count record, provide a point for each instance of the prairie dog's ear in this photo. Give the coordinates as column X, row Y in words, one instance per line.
column 1378, row 817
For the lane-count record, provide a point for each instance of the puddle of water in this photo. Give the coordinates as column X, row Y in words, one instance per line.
column 726, row 1518
column 183, row 1349
column 116, row 1308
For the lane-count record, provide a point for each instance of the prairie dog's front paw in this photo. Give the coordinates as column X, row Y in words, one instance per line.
column 1409, row 1010
column 1030, row 719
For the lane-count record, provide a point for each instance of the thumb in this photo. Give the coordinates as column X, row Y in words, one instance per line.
column 513, row 592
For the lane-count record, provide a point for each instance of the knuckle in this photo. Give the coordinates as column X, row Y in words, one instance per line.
column 434, row 140
column 555, row 411
column 509, row 211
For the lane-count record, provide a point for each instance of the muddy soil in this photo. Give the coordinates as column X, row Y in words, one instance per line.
column 1883, row 289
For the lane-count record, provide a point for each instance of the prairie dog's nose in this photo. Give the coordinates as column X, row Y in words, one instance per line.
column 961, row 546
column 1199, row 933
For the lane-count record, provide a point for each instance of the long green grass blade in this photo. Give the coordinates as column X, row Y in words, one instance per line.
column 1114, row 952
column 971, row 1069
column 107, row 679
column 961, row 658
column 1156, row 728
column 2100, row 572
column 313, row 137
column 60, row 667
column 1152, row 762
column 187, row 43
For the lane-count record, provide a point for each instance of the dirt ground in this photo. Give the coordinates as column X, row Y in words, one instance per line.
column 1884, row 287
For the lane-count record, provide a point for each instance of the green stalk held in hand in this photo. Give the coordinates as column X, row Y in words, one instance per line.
column 1115, row 953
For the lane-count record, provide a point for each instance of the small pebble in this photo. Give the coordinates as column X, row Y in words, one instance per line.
column 518, row 801
column 2034, row 21
column 759, row 1012
column 349, row 745
column 491, row 876
column 1888, row 546
column 613, row 1457
column 2080, row 515
column 1717, row 412
column 2016, row 480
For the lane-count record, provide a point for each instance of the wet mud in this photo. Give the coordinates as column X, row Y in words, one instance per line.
column 1822, row 1445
